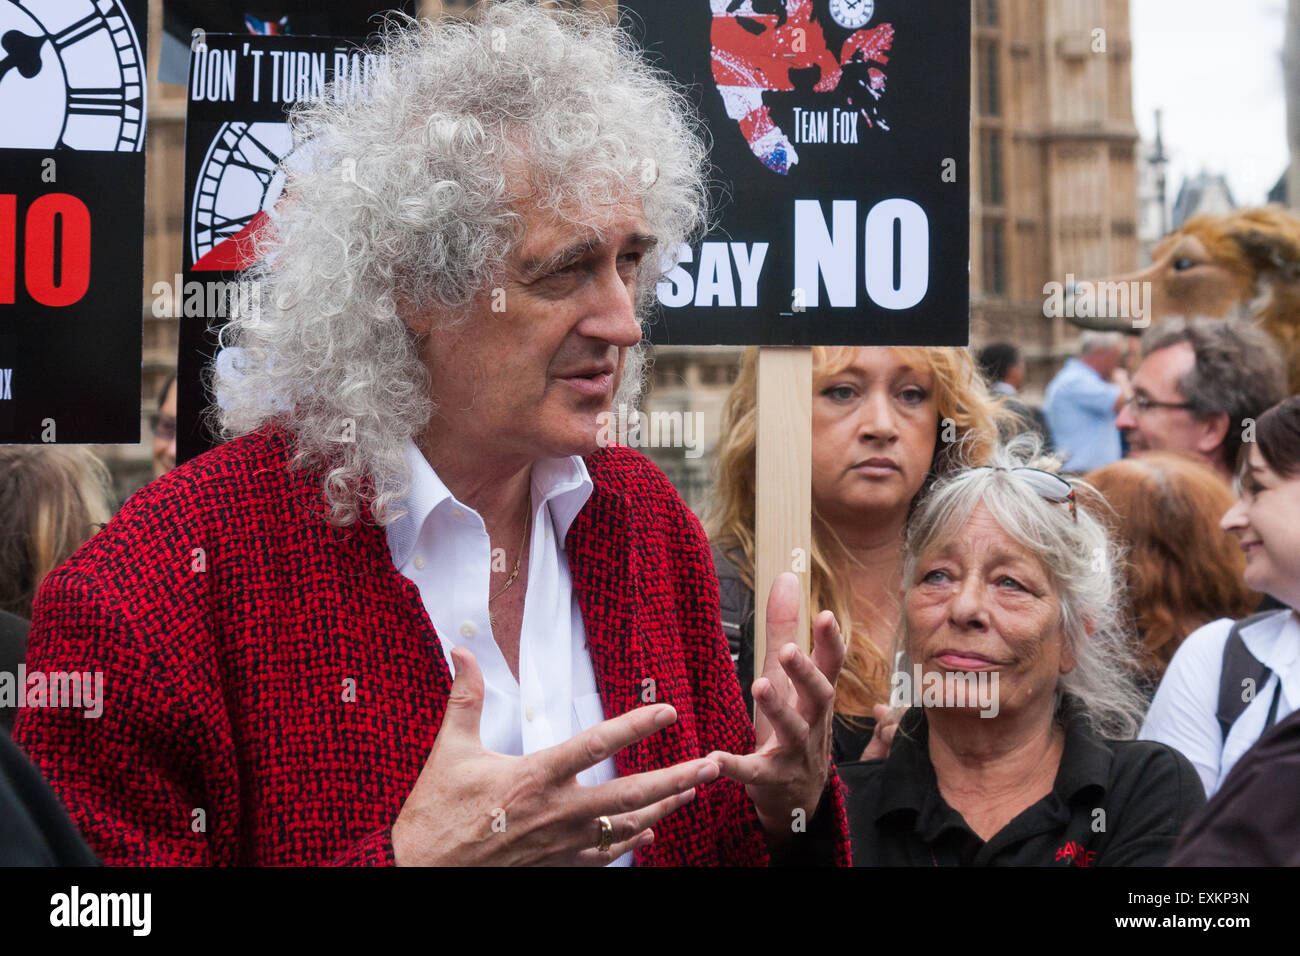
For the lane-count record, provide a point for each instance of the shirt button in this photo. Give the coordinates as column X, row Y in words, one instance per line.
column 528, row 712
column 468, row 629
column 419, row 564
column 458, row 514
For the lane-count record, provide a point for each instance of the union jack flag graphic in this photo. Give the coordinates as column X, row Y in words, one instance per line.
column 756, row 45
column 270, row 28
column 1074, row 852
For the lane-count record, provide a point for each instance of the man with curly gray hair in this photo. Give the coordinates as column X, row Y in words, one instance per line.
column 412, row 612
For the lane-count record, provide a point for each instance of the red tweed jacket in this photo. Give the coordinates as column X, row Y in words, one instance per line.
column 273, row 685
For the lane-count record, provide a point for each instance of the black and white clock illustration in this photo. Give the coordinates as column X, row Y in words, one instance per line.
column 241, row 178
column 71, row 76
column 852, row 14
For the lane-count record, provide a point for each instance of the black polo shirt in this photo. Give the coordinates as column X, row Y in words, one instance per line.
column 1114, row 803
column 34, row 827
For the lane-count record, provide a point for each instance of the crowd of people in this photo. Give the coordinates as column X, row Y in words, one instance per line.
column 1108, row 622
column 466, row 633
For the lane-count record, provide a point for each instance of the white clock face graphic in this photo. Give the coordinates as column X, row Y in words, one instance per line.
column 241, row 176
column 852, row 14
column 71, row 76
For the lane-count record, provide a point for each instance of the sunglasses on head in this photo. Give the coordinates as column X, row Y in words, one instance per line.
column 1049, row 486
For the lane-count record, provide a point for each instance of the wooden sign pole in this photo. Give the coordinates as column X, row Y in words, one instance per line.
column 783, row 506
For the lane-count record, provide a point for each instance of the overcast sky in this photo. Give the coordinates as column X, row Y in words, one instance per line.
column 1215, row 68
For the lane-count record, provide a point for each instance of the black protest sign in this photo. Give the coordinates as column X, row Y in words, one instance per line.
column 340, row 18
column 841, row 136
column 72, row 122
column 238, row 149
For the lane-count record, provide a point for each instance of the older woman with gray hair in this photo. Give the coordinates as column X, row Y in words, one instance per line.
column 1017, row 748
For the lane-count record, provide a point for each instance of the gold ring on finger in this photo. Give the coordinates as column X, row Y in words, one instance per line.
column 606, row 834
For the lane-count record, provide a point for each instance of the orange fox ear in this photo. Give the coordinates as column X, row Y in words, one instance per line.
column 1270, row 253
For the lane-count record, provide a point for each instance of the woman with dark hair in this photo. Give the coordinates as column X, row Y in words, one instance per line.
column 52, row 499
column 1233, row 680
column 1003, row 368
column 1183, row 571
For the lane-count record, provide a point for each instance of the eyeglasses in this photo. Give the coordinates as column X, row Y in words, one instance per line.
column 1142, row 404
column 1049, row 486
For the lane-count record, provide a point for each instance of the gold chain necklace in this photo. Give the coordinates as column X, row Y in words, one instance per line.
column 528, row 521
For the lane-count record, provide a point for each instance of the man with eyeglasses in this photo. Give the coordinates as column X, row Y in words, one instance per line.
column 1200, row 386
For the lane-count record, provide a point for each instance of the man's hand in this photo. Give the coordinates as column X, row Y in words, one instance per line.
column 471, row 806
column 788, row 769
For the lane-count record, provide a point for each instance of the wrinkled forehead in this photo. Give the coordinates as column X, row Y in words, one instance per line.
column 985, row 520
column 542, row 226
column 548, row 193
column 1164, row 368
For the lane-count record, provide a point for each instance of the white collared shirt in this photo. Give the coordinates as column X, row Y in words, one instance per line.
column 1183, row 713
column 442, row 546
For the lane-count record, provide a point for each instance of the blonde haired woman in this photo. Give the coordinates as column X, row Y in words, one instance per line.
column 886, row 423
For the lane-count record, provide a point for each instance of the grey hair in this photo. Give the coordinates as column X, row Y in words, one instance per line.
column 1091, row 341
column 1238, row 371
column 1084, row 564
column 405, row 201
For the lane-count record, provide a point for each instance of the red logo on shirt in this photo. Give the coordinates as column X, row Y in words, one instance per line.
column 1076, row 854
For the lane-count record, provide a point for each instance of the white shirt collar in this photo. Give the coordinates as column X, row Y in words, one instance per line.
column 1274, row 640
column 565, row 486
column 561, row 483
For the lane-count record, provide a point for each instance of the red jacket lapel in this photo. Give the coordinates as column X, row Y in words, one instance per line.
column 603, row 564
